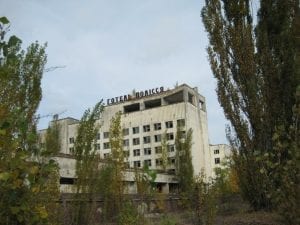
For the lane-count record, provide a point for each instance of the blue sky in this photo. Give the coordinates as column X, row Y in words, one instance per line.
column 110, row 47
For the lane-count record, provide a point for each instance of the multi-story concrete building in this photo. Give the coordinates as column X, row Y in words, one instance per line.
column 146, row 117
column 220, row 153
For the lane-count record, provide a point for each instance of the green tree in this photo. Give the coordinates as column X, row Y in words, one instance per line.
column 87, row 166
column 184, row 166
column 204, row 201
column 257, row 70
column 117, row 160
column 164, row 151
column 27, row 183
column 52, row 140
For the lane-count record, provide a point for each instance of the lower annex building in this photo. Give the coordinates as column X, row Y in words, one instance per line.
column 146, row 117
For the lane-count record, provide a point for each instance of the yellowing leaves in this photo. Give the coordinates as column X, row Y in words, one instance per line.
column 35, row 189
column 42, row 212
column 34, row 170
column 4, row 176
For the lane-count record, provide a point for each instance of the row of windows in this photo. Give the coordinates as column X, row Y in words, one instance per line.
column 136, row 130
column 135, row 141
column 148, row 162
column 146, row 140
column 158, row 162
column 148, row 151
column 136, row 152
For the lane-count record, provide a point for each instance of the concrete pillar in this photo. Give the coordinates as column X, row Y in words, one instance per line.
column 185, row 95
column 165, row 188
column 142, row 105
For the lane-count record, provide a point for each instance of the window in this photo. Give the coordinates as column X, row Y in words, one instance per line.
column 98, row 136
column 147, row 151
column 158, row 149
column 147, row 162
column 132, row 108
column 147, row 140
column 170, row 136
column 71, row 140
column 201, row 104
column 157, row 138
column 97, row 146
column 157, row 126
column 182, row 134
column 136, row 152
column 66, row 180
column 217, row 160
column 136, row 141
column 71, row 149
column 181, row 123
column 106, row 145
column 171, row 148
column 171, row 160
column 169, row 124
column 191, row 98
column 126, row 142
column 105, row 155
column 135, row 130
column 158, row 162
column 105, row 134
column 125, row 131
column 126, row 154
column 216, row 151
column 146, row 128
column 137, row 164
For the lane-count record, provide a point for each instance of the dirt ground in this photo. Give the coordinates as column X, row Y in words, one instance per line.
column 232, row 212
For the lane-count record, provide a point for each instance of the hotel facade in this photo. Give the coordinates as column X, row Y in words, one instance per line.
column 146, row 117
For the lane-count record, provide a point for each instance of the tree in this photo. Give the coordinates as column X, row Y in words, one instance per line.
column 87, row 166
column 27, row 183
column 257, row 70
column 117, row 160
column 184, row 170
column 164, row 151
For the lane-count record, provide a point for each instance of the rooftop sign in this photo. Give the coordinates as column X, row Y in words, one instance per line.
column 135, row 95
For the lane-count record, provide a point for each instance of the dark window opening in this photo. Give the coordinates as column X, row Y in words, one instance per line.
column 175, row 98
column 157, row 126
column 169, row 124
column 181, row 123
column 152, row 103
column 135, row 130
column 66, row 180
column 125, row 131
column 132, row 108
column 191, row 99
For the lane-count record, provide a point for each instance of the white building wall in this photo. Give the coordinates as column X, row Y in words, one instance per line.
column 219, row 155
column 192, row 110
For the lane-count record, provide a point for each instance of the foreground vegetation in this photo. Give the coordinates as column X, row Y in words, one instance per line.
column 256, row 62
column 257, row 68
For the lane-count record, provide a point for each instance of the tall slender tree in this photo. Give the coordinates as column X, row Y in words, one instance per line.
column 117, row 160
column 164, row 151
column 256, row 64
column 184, row 166
column 26, row 188
column 87, row 166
